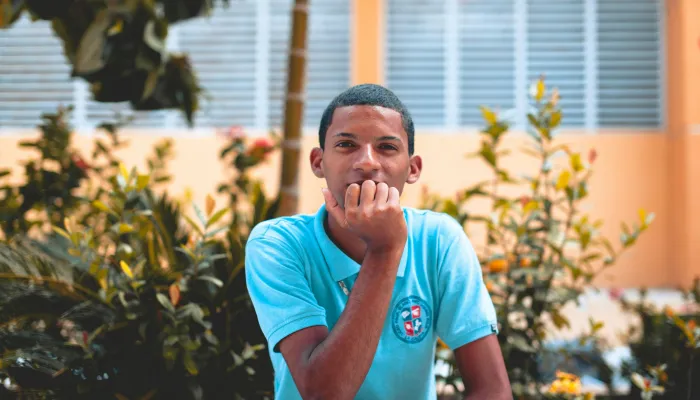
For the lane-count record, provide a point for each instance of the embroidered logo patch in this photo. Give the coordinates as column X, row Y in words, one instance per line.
column 411, row 319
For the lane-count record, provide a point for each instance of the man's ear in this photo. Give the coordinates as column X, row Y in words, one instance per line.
column 414, row 169
column 316, row 159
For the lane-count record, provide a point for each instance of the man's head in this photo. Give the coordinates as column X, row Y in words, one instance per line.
column 367, row 95
column 366, row 133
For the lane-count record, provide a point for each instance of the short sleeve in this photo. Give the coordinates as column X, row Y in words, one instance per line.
column 280, row 293
column 465, row 312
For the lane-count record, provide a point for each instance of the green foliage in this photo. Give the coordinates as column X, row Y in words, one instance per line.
column 118, row 47
column 541, row 250
column 665, row 339
column 123, row 294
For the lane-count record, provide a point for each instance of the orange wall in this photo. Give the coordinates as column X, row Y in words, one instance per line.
column 657, row 171
column 629, row 171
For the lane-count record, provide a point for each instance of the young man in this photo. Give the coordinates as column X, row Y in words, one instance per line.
column 353, row 299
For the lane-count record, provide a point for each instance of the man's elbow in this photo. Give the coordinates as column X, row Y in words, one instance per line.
column 316, row 388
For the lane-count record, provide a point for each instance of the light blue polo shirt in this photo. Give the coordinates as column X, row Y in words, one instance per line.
column 294, row 270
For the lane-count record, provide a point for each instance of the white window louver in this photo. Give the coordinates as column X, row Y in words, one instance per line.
column 604, row 56
column 34, row 77
column 239, row 53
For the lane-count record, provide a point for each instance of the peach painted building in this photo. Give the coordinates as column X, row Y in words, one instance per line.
column 628, row 72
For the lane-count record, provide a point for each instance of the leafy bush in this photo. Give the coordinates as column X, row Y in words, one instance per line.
column 664, row 347
column 120, row 293
column 541, row 250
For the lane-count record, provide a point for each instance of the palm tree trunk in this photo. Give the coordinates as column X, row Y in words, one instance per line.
column 294, row 111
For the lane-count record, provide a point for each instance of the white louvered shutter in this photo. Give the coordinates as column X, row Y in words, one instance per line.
column 604, row 57
column 630, row 63
column 34, row 75
column 555, row 49
column 328, row 57
column 222, row 50
column 415, row 58
column 486, row 58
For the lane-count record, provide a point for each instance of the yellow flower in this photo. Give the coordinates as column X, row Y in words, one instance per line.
column 566, row 384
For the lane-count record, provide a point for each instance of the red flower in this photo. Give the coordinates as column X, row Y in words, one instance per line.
column 79, row 162
column 260, row 148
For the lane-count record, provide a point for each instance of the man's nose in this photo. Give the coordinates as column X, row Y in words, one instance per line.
column 367, row 160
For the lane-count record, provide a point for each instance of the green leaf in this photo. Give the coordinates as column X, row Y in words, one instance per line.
column 217, row 216
column 142, row 181
column 576, row 163
column 539, row 90
column 555, row 119
column 103, row 207
column 211, row 279
column 4, row 172
column 563, row 180
column 200, row 215
column 595, row 326
column 124, row 228
column 521, row 343
column 61, row 232
column 190, row 364
column 185, row 250
column 559, row 320
column 193, row 224
column 487, row 154
column 215, row 232
column 488, row 115
column 592, row 257
column 165, row 302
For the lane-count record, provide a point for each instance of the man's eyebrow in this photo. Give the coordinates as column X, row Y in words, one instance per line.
column 396, row 138
column 353, row 136
column 346, row 134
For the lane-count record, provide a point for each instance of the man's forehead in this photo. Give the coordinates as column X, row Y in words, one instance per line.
column 366, row 111
column 366, row 119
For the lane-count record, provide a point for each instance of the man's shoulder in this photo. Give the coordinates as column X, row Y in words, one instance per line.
column 432, row 223
column 283, row 228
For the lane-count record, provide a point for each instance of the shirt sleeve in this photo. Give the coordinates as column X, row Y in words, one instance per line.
column 465, row 311
column 278, row 288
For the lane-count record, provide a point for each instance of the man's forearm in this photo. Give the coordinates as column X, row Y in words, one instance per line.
column 339, row 364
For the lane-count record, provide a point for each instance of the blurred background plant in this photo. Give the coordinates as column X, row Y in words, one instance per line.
column 541, row 250
column 118, row 47
column 664, row 347
column 109, row 289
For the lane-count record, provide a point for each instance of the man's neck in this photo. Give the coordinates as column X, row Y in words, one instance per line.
column 348, row 242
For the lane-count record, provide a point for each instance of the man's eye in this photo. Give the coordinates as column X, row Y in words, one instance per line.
column 344, row 144
column 387, row 147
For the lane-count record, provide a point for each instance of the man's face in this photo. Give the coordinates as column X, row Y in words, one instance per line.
column 365, row 143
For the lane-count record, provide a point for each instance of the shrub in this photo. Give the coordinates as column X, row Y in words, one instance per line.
column 541, row 250
column 126, row 295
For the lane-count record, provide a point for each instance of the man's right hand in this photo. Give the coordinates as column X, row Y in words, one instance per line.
column 373, row 213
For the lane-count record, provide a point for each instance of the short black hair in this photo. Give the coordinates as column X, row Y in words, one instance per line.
column 367, row 94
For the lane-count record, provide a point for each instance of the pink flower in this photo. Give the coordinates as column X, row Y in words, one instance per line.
column 615, row 294
column 233, row 133
column 592, row 155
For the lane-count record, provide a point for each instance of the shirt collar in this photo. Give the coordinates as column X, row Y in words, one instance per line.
column 340, row 265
